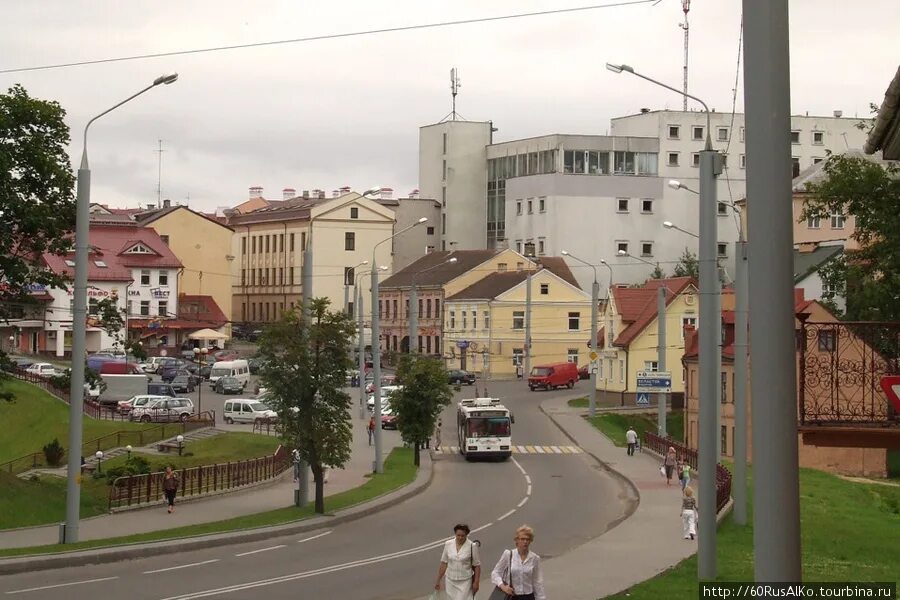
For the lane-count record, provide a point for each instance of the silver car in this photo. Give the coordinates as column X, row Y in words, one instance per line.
column 164, row 411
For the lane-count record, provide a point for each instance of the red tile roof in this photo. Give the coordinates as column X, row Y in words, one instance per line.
column 202, row 309
column 637, row 306
column 107, row 244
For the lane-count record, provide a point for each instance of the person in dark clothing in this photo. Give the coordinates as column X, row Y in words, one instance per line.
column 170, row 487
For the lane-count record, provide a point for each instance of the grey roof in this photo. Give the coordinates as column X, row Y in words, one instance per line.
column 885, row 134
column 491, row 286
column 816, row 173
column 438, row 275
column 806, row 263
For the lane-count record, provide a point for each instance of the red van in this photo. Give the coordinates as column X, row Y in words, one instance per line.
column 120, row 368
column 553, row 376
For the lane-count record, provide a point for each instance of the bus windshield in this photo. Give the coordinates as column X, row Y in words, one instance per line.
column 487, row 427
column 220, row 372
column 540, row 371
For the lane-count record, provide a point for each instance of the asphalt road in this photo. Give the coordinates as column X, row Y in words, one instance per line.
column 393, row 554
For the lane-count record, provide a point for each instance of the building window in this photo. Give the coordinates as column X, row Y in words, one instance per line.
column 163, row 278
column 621, row 371
column 817, row 159
column 741, row 134
column 427, row 308
column 487, row 320
column 397, row 312
column 572, row 355
column 145, row 308
column 542, row 205
column 429, row 231
column 688, row 321
column 672, row 159
column 518, row 321
column 813, row 222
column 444, row 197
column 646, row 206
column 826, row 341
column 281, row 242
column 267, row 244
column 743, row 161
column 437, row 308
column 474, row 319
column 163, row 309
column 387, row 309
column 243, row 250
column 452, row 319
column 795, row 136
column 530, row 207
column 697, row 132
column 348, row 275
column 445, row 142
column 501, row 267
column 518, row 354
column 724, row 382
column 674, row 132
column 722, row 209
column 520, row 266
column 290, row 273
column 574, row 321
column 145, row 277
column 651, row 365
column 622, row 205
column 518, row 207
column 818, row 138
column 622, row 247
column 545, row 289
column 465, row 321
column 722, row 134
column 349, row 240
column 444, row 224
column 724, row 436
column 795, row 166
column 540, row 246
column 292, row 242
column 354, row 212
column 444, row 171
column 695, row 159
column 165, row 239
column 722, row 250
column 646, row 248
column 838, row 221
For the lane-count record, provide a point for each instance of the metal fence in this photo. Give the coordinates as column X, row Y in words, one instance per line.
column 661, row 445
column 42, row 382
column 132, row 490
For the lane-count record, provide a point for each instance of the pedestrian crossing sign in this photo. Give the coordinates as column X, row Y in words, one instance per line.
column 643, row 398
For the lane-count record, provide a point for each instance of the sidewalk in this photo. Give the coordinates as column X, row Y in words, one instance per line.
column 270, row 496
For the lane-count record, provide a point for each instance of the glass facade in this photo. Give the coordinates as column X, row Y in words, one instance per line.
column 499, row 170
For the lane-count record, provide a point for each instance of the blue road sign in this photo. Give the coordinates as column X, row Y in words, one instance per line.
column 643, row 398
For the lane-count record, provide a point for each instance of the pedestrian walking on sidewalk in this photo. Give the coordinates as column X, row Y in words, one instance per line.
column 518, row 572
column 170, row 487
column 437, row 436
column 669, row 463
column 295, row 456
column 460, row 566
column 689, row 514
column 370, row 428
column 631, row 438
column 685, row 474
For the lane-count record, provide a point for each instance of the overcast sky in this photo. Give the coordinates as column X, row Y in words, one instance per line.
column 329, row 113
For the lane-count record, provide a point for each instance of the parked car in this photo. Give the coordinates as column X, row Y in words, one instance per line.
column 458, row 376
column 584, row 372
column 42, row 369
column 226, row 355
column 126, row 406
column 167, row 410
column 244, row 410
column 229, row 385
column 183, row 383
column 385, row 395
column 161, row 389
column 151, row 364
column 96, row 361
column 231, row 368
column 388, row 418
column 386, row 381
column 120, row 367
column 553, row 376
column 255, row 364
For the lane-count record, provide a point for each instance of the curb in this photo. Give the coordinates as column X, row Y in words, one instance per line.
column 113, row 554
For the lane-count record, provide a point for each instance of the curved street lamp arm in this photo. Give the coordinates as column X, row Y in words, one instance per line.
column 84, row 160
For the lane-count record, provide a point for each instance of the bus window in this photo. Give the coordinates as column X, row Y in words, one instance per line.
column 488, row 427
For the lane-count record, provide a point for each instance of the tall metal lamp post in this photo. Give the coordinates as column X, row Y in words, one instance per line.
column 79, row 324
column 362, row 341
column 414, row 305
column 710, row 167
column 595, row 300
column 376, row 346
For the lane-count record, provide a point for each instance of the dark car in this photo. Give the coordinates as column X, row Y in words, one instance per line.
column 458, row 376
column 156, row 388
column 170, row 373
column 182, row 383
column 255, row 364
column 229, row 385
column 584, row 372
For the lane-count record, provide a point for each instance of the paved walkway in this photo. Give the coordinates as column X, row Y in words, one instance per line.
column 265, row 497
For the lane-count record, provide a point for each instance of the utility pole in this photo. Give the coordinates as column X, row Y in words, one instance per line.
column 661, row 355
column 362, row 352
column 413, row 318
column 527, row 368
column 767, row 101
column 685, row 6
column 739, row 481
column 159, row 175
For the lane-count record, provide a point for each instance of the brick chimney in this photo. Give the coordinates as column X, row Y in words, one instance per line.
column 414, row 194
column 167, row 203
column 288, row 193
column 256, row 191
column 386, row 193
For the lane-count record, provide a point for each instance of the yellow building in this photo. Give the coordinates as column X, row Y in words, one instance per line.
column 203, row 245
column 629, row 341
column 484, row 323
column 268, row 246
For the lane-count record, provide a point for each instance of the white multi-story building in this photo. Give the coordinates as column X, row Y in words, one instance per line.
column 597, row 195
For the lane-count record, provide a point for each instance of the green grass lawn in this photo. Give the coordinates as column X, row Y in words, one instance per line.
column 893, row 466
column 614, row 425
column 25, row 503
column 848, row 533
column 398, row 471
column 36, row 418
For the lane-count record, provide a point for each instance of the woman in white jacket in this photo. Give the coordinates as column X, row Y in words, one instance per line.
column 460, row 566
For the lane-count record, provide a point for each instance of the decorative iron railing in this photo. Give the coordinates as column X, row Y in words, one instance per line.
column 840, row 369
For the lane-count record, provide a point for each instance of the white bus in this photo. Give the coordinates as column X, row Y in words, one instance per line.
column 485, row 428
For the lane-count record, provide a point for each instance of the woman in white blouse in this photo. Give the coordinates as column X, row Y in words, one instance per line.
column 461, row 565
column 518, row 573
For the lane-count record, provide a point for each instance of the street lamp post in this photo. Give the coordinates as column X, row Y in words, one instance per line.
column 595, row 300
column 376, row 346
column 362, row 342
column 710, row 167
column 200, row 357
column 180, row 440
column 99, row 455
column 79, row 323
column 414, row 305
column 609, row 324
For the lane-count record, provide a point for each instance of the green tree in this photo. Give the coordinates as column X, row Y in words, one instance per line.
column 305, row 366
column 688, row 265
column 658, row 273
column 418, row 403
column 869, row 278
column 37, row 206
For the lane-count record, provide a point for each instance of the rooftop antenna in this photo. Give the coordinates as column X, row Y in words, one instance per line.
column 454, row 89
column 685, row 6
column 159, row 176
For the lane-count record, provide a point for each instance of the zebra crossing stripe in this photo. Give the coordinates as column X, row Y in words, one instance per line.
column 454, row 449
column 566, row 449
column 540, row 449
column 522, row 449
column 530, row 449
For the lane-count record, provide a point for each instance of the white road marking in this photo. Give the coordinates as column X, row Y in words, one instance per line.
column 528, row 491
column 59, row 585
column 528, row 479
column 522, row 449
column 260, row 550
column 506, row 514
column 314, row 537
column 522, row 503
column 556, row 449
column 482, row 527
column 540, row 449
column 197, row 564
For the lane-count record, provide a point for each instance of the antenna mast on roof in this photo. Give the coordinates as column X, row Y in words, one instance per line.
column 159, row 176
column 685, row 6
column 454, row 89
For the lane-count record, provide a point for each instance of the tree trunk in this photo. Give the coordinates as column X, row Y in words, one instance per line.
column 320, row 488
column 416, row 454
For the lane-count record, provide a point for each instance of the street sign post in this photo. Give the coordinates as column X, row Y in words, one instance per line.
column 642, row 399
column 654, row 381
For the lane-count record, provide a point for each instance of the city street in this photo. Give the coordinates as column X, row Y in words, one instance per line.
column 567, row 498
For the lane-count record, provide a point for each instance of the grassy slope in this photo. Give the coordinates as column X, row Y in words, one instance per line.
column 398, row 471
column 615, row 425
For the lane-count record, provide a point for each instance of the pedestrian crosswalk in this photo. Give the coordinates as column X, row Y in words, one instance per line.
column 527, row 449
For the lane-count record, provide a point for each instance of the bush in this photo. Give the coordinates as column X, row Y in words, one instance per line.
column 54, row 452
column 134, row 465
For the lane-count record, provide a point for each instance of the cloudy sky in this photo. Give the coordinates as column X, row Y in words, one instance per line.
column 336, row 112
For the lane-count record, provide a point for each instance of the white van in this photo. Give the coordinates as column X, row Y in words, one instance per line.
column 243, row 410
column 230, row 368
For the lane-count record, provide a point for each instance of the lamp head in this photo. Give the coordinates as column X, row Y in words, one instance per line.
column 180, row 439
column 365, row 262
column 675, row 184
column 619, row 68
column 622, row 253
column 452, row 260
column 668, row 224
column 423, row 219
column 603, row 261
column 383, row 268
column 564, row 252
column 128, row 448
column 99, row 454
column 166, row 79
column 375, row 189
